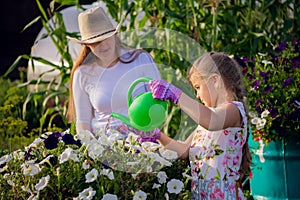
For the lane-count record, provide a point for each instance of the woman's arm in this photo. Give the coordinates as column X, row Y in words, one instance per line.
column 220, row 118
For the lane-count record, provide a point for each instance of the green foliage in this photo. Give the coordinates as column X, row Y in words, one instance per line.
column 11, row 123
column 272, row 82
column 12, row 126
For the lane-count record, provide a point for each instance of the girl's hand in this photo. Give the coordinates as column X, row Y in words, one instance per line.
column 163, row 90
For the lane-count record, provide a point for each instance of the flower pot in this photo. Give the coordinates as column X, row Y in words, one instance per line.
column 275, row 171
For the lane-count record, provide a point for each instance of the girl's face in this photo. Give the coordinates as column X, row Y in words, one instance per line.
column 205, row 90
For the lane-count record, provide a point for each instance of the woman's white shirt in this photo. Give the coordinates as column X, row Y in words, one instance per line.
column 99, row 91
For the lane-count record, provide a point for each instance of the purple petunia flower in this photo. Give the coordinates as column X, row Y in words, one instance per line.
column 281, row 47
column 273, row 112
column 27, row 154
column 296, row 62
column 258, row 109
column 286, row 82
column 258, row 102
column 255, row 84
column 52, row 140
column 240, row 61
column 267, row 89
column 69, row 139
column 264, row 75
column 246, row 58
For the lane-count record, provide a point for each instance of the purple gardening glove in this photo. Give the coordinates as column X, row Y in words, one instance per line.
column 163, row 90
column 150, row 136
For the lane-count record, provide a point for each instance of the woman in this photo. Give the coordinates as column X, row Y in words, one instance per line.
column 103, row 72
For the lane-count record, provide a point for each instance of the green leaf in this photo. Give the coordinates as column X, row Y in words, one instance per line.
column 31, row 23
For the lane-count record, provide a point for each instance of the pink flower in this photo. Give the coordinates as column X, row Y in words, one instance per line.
column 236, row 160
column 225, row 161
column 211, row 185
column 231, row 188
column 218, row 194
column 226, row 132
column 203, row 194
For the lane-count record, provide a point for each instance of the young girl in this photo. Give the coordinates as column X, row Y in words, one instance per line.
column 218, row 151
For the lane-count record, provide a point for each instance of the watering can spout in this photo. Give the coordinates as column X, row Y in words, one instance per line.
column 123, row 118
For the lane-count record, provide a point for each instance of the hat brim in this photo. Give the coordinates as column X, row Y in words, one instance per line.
column 96, row 39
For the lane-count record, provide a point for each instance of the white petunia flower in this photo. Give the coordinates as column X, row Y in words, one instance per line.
column 18, row 155
column 160, row 159
column 108, row 173
column 35, row 143
column 140, row 195
column 266, row 62
column 42, row 183
column 91, row 176
column 103, row 139
column 5, row 159
column 175, row 186
column 114, row 136
column 262, row 54
column 34, row 196
column 156, row 186
column 297, row 104
column 255, row 120
column 131, row 137
column 168, row 154
column 85, row 165
column 109, row 197
column 30, row 168
column 26, row 189
column 265, row 113
column 95, row 150
column 162, row 177
column 134, row 175
column 11, row 183
column 252, row 114
column 261, row 124
column 68, row 154
column 167, row 196
column 85, row 137
column 87, row 194
column 46, row 159
column 150, row 146
column 111, row 175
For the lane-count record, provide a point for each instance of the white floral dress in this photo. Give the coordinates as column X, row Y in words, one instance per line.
column 215, row 159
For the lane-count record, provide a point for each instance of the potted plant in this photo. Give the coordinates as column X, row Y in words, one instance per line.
column 273, row 96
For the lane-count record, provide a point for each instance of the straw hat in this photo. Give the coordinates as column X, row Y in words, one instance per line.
column 94, row 26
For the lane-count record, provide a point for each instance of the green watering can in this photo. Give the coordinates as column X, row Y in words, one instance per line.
column 145, row 113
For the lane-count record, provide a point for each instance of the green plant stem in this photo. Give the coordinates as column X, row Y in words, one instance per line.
column 214, row 25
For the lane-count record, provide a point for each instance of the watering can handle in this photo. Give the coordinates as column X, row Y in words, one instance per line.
column 132, row 86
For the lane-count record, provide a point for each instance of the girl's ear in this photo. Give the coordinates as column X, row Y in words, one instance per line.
column 217, row 81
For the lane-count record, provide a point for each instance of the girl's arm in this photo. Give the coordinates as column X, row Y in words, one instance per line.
column 220, row 118
column 182, row 148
